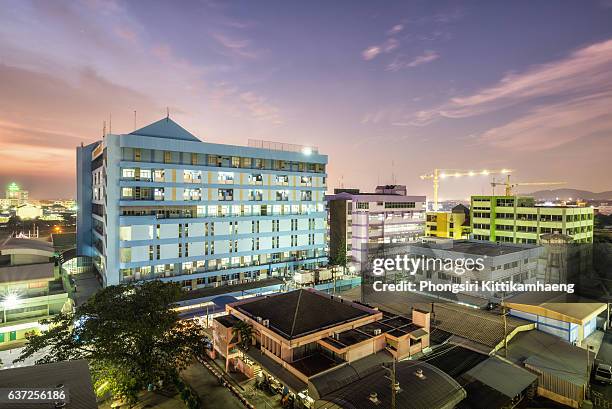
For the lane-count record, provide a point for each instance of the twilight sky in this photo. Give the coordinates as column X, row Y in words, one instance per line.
column 381, row 87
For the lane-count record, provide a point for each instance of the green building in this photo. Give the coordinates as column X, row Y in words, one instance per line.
column 517, row 219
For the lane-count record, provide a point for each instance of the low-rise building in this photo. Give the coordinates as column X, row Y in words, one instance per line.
column 30, row 289
column 386, row 216
column 566, row 316
column 28, row 211
column 299, row 335
column 563, row 369
column 517, row 219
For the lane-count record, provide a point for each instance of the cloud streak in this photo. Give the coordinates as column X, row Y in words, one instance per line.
column 573, row 92
column 399, row 63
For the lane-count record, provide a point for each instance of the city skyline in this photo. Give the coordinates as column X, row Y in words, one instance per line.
column 387, row 93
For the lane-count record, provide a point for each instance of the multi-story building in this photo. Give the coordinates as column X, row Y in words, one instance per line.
column 15, row 195
column 159, row 203
column 517, row 219
column 499, row 263
column 30, row 289
column 386, row 216
column 452, row 225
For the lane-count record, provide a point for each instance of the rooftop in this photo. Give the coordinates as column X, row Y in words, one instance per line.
column 374, row 197
column 243, row 287
column 12, row 243
column 433, row 390
column 228, row 321
column 26, row 272
column 560, row 306
column 508, row 379
column 166, row 128
column 74, row 375
column 480, row 248
column 550, row 354
column 301, row 312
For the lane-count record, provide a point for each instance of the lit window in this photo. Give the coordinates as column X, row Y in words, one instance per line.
column 127, row 192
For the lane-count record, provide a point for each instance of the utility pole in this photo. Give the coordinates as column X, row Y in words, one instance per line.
column 504, row 314
column 393, row 386
column 588, row 378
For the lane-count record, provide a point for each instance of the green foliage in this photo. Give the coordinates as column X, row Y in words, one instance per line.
column 340, row 258
column 244, row 331
column 128, row 334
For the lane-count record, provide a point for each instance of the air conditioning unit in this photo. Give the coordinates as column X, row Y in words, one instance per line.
column 336, row 335
column 259, row 320
column 377, row 331
column 266, row 323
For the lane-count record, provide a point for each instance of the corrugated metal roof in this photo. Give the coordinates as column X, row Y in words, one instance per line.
column 503, row 377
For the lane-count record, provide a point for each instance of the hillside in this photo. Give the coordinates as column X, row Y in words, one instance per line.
column 565, row 194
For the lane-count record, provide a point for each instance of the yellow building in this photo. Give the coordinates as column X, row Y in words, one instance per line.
column 454, row 224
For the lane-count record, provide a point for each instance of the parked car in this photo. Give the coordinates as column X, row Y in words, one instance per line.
column 603, row 373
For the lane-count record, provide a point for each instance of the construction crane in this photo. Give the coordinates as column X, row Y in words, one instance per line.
column 511, row 185
column 456, row 173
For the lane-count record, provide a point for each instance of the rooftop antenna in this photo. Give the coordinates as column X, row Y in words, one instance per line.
column 167, row 113
column 134, row 119
column 110, row 123
column 393, row 172
column 342, row 181
column 103, row 129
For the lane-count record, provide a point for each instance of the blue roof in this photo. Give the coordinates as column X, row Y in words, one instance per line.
column 223, row 300
column 166, row 128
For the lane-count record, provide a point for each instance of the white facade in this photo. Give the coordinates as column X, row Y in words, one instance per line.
column 167, row 206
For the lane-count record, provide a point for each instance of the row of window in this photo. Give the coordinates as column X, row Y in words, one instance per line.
column 190, row 267
column 195, row 176
column 195, row 194
column 154, row 251
column 125, row 232
column 184, row 212
column 190, row 158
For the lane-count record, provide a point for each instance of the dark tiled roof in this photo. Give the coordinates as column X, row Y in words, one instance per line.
column 74, row 375
column 352, row 337
column 397, row 333
column 455, row 360
column 398, row 322
column 433, row 390
column 300, row 312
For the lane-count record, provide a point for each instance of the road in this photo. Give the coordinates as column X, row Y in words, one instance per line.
column 211, row 393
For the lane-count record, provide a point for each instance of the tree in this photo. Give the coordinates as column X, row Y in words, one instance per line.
column 339, row 259
column 244, row 331
column 128, row 333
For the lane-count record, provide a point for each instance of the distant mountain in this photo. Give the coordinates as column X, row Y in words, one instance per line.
column 565, row 194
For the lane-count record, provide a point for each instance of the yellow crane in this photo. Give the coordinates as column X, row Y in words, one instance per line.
column 511, row 185
column 438, row 174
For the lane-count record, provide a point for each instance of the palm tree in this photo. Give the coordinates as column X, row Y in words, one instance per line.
column 244, row 332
